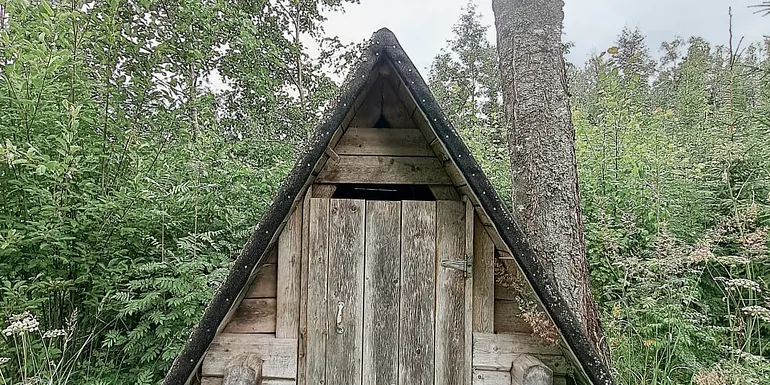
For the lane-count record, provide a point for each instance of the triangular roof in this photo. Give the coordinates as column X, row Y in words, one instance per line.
column 384, row 46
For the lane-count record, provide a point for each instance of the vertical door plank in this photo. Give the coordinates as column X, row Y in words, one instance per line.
column 344, row 350
column 318, row 254
column 289, row 255
column 469, row 283
column 450, row 293
column 302, row 344
column 381, row 292
column 483, row 280
column 418, row 275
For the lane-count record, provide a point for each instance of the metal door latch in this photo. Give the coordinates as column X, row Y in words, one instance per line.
column 461, row 264
column 340, row 306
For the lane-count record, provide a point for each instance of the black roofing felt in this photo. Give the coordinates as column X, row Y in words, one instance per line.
column 384, row 44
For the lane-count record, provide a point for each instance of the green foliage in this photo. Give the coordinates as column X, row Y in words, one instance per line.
column 465, row 80
column 675, row 189
column 127, row 186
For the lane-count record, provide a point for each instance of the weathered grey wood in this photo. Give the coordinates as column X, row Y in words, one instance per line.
column 323, row 190
column 381, row 141
column 384, row 169
column 382, row 101
column 302, row 348
column 346, row 291
column 381, row 292
column 468, row 327
column 486, row 377
column 265, row 381
column 264, row 284
column 450, row 293
column 289, row 261
column 497, row 351
column 245, row 369
column 483, row 280
column 418, row 248
column 318, row 254
column 253, row 316
column 444, row 192
column 370, row 109
column 394, row 111
column 509, row 319
column 505, row 292
column 491, row 377
column 279, row 355
column 528, row 370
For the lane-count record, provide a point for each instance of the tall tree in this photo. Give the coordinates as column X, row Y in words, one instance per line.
column 541, row 142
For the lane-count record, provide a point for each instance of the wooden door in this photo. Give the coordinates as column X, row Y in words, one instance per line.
column 380, row 307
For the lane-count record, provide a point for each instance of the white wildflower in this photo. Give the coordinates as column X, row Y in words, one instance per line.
column 757, row 311
column 54, row 333
column 742, row 283
column 20, row 324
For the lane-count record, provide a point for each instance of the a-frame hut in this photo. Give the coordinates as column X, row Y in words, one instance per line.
column 384, row 260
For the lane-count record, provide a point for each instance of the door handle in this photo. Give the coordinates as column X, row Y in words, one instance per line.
column 340, row 306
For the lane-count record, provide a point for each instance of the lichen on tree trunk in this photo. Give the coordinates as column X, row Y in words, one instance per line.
column 541, row 142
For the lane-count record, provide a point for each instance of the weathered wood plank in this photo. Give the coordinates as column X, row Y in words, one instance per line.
column 318, row 254
column 490, row 377
column 289, row 255
column 528, row 370
column 381, row 292
column 497, row 351
column 384, row 169
column 253, row 316
column 370, row 109
column 393, row 110
column 344, row 348
column 418, row 247
column 486, row 377
column 264, row 284
column 468, row 327
column 324, row 190
column 245, row 369
column 302, row 348
column 450, row 293
column 483, row 279
column 444, row 192
column 279, row 355
column 504, row 292
column 509, row 319
column 383, row 141
column 265, row 381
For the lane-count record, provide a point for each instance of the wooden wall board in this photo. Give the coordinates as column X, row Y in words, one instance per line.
column 279, row 354
column 418, row 275
column 253, row 316
column 288, row 281
column 487, row 377
column 318, row 254
column 509, row 319
column 346, row 292
column 385, row 170
column 444, row 192
column 381, row 291
column 483, row 279
column 264, row 284
column 383, row 141
column 265, row 381
column 450, row 293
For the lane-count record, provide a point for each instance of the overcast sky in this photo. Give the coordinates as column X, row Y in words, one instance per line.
column 423, row 26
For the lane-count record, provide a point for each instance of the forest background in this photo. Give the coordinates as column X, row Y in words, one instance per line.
column 127, row 186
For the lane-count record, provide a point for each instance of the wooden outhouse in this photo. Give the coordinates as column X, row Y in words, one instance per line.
column 387, row 257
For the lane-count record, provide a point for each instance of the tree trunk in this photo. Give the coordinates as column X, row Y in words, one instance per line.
column 541, row 142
